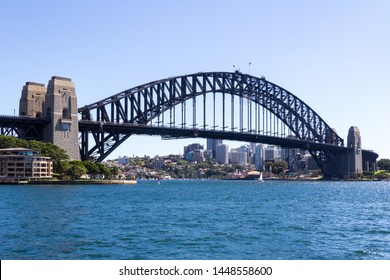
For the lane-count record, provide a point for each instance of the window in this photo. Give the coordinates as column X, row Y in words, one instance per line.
column 65, row 113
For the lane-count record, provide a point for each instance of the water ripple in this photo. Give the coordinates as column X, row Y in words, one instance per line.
column 197, row 220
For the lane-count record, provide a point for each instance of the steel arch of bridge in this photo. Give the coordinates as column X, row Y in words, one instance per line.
column 113, row 120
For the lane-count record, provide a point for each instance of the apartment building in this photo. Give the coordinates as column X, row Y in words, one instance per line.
column 24, row 163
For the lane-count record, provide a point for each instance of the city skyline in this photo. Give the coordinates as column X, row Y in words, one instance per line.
column 249, row 157
column 334, row 55
column 267, row 152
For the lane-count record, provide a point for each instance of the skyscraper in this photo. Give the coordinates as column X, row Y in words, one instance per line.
column 222, row 154
column 259, row 154
column 238, row 156
column 271, row 153
column 212, row 145
column 190, row 149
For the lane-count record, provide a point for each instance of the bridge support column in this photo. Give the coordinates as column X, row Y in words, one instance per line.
column 353, row 163
column 61, row 107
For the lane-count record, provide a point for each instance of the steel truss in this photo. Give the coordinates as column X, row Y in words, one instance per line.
column 232, row 103
column 23, row 127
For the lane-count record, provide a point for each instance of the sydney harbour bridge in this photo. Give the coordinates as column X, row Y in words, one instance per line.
column 220, row 105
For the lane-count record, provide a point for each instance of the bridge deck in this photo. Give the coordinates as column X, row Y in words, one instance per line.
column 20, row 120
column 126, row 128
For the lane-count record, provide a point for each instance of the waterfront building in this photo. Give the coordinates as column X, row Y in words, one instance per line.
column 222, row 153
column 24, row 163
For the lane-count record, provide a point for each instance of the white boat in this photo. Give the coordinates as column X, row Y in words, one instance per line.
column 261, row 177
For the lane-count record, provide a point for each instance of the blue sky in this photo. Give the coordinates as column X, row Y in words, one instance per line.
column 334, row 55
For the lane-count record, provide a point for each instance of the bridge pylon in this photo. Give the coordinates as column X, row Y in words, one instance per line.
column 61, row 108
column 354, row 161
column 32, row 101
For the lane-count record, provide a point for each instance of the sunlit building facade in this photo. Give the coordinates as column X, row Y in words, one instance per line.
column 24, row 163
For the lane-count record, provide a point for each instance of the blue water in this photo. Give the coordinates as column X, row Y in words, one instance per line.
column 197, row 220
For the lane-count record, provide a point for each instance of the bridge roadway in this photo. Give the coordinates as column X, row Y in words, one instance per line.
column 15, row 122
column 20, row 121
column 23, row 127
column 139, row 129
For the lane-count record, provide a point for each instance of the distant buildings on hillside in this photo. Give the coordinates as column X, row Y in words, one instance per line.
column 254, row 154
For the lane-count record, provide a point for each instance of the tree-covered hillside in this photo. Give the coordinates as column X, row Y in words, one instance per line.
column 45, row 148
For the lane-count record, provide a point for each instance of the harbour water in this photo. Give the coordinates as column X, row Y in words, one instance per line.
column 197, row 220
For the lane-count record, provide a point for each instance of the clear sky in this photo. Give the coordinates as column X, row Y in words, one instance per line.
column 334, row 55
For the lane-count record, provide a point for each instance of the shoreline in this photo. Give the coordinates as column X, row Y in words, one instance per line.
column 67, row 182
column 133, row 182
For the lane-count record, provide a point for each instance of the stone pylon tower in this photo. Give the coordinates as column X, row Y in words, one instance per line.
column 355, row 158
column 61, row 108
column 32, row 101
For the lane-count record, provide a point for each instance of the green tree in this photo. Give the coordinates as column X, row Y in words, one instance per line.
column 53, row 151
column 103, row 169
column 179, row 173
column 76, row 170
column 92, row 167
column 8, row 142
column 384, row 164
column 279, row 167
column 238, row 167
column 202, row 165
column 61, row 167
column 381, row 175
column 114, row 171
